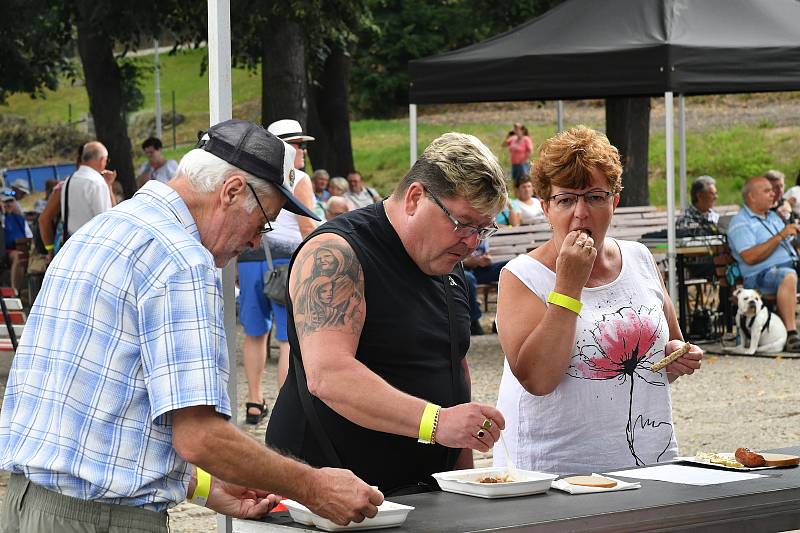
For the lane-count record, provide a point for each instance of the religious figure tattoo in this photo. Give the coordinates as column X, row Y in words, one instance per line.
column 330, row 293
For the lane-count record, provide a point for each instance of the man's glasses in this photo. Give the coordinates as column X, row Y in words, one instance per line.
column 299, row 146
column 567, row 200
column 267, row 226
column 464, row 230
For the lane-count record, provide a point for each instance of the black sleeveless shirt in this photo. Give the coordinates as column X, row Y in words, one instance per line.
column 405, row 340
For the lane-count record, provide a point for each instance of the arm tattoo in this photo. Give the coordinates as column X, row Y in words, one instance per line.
column 329, row 293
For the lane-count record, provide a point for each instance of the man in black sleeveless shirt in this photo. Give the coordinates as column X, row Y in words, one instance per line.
column 379, row 327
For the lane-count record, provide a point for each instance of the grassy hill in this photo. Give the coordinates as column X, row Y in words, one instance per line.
column 730, row 150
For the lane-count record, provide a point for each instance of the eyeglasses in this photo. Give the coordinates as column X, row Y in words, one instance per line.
column 267, row 226
column 299, row 146
column 464, row 230
column 567, row 200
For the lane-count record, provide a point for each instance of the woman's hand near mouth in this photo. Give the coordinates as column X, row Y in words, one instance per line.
column 574, row 263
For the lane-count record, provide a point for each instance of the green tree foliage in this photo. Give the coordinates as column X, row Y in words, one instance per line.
column 35, row 36
column 402, row 31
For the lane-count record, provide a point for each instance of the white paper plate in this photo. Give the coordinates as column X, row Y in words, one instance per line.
column 466, row 482
column 390, row 514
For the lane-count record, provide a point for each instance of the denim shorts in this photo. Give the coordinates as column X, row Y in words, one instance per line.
column 767, row 281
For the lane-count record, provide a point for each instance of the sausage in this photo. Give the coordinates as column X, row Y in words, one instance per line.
column 749, row 458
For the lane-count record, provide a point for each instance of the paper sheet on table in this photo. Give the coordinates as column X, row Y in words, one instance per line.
column 686, row 475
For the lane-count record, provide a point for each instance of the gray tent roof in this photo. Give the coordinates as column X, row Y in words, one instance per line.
column 596, row 49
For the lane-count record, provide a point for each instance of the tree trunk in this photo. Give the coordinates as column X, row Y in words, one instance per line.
column 284, row 89
column 104, row 87
column 329, row 116
column 628, row 128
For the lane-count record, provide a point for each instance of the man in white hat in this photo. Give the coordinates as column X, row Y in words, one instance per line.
column 116, row 406
column 290, row 230
column 21, row 188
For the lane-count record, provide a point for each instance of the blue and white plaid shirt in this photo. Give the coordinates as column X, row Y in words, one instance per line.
column 128, row 326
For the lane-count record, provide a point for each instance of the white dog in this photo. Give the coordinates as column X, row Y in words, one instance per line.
column 759, row 328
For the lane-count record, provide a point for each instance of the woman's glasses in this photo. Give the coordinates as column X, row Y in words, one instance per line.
column 568, row 200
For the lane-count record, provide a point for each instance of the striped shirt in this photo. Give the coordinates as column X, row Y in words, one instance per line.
column 128, row 327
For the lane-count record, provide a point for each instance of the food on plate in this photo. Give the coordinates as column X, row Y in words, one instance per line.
column 718, row 459
column 749, row 458
column 674, row 356
column 591, row 481
column 496, row 478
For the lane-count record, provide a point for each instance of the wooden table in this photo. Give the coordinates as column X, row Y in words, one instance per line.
column 767, row 504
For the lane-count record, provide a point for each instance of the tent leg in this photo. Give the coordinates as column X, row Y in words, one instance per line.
column 412, row 133
column 682, row 148
column 559, row 115
column 669, row 142
column 220, row 98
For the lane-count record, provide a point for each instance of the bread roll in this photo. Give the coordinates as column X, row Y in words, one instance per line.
column 591, row 481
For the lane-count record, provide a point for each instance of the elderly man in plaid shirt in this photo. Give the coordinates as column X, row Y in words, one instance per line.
column 119, row 384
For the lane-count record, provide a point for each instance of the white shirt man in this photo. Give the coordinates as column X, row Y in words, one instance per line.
column 87, row 189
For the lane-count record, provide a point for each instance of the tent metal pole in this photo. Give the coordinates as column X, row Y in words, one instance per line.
column 559, row 115
column 682, row 148
column 412, row 133
column 669, row 141
column 220, row 100
column 157, row 80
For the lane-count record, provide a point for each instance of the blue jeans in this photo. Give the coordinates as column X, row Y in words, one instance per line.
column 518, row 171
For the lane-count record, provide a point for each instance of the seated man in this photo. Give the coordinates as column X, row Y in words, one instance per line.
column 764, row 248
column 779, row 205
column 701, row 213
column 479, row 269
column 700, row 219
column 15, row 227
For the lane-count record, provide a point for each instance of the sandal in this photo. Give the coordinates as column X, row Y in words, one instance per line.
column 256, row 418
column 793, row 344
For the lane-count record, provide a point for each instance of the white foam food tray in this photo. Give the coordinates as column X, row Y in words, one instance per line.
column 390, row 514
column 467, row 482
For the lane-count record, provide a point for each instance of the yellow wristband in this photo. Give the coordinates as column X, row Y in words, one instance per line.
column 202, row 488
column 49, row 247
column 567, row 302
column 427, row 425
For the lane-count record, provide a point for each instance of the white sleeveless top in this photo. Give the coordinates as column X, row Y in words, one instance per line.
column 285, row 236
column 609, row 411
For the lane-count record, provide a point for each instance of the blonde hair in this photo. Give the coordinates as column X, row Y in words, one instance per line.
column 568, row 158
column 460, row 165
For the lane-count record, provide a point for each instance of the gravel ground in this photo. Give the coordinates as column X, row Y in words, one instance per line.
column 732, row 401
